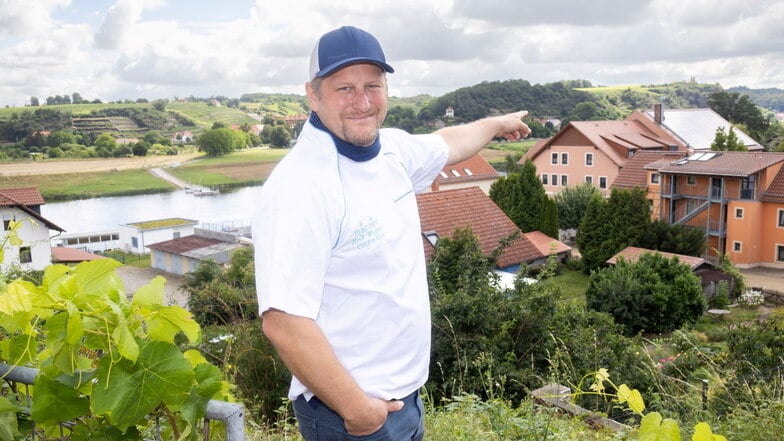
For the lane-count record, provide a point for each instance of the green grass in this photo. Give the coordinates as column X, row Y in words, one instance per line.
column 573, row 285
column 244, row 167
column 616, row 91
column 89, row 185
column 238, row 157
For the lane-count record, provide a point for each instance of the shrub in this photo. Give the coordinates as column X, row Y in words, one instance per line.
column 654, row 294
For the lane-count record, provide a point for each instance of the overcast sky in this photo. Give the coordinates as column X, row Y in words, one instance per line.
column 127, row 49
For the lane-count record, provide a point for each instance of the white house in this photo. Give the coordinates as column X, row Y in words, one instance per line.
column 136, row 237
column 24, row 205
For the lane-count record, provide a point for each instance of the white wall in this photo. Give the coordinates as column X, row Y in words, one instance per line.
column 34, row 234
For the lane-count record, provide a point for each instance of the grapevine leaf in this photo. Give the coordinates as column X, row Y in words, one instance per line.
column 167, row 321
column 56, row 402
column 703, row 432
column 601, row 376
column 122, row 336
column 653, row 428
column 126, row 392
column 98, row 278
column 54, row 275
column 632, row 397
column 209, row 384
column 151, row 293
column 194, row 357
column 16, row 297
column 59, row 352
column 9, row 429
column 74, row 331
column 19, row 349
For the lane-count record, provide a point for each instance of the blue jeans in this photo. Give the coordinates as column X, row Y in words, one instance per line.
column 317, row 422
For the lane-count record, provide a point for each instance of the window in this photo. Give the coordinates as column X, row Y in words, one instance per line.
column 589, row 159
column 738, row 213
column 589, row 179
column 737, row 246
column 747, row 187
column 780, row 253
column 468, row 172
column 554, row 180
column 691, row 180
column 134, row 242
column 544, row 179
column 25, row 255
column 7, row 223
column 443, row 175
column 654, row 178
column 781, row 218
column 554, row 158
column 455, row 173
column 602, row 182
column 564, row 158
column 176, row 235
column 431, row 237
column 564, row 180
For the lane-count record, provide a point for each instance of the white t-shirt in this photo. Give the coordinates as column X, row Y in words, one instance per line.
column 339, row 242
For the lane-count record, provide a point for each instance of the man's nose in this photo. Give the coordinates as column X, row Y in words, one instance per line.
column 361, row 100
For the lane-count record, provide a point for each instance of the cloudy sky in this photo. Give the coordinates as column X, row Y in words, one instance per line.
column 127, row 49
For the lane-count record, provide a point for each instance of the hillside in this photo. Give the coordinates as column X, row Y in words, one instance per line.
column 772, row 98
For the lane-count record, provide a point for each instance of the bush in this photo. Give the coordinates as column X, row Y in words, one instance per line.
column 251, row 363
column 654, row 294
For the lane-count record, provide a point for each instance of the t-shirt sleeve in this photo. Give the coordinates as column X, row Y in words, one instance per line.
column 424, row 156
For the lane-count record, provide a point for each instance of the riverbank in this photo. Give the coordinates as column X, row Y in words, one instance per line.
column 65, row 180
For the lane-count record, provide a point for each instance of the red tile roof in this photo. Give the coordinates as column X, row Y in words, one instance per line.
column 632, row 254
column 21, row 196
column 184, row 244
column 475, row 168
column 734, row 164
column 72, row 255
column 775, row 192
column 26, row 199
column 445, row 211
column 635, row 171
column 544, row 243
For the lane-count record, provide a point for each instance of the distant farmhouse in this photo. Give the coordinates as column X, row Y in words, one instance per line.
column 24, row 205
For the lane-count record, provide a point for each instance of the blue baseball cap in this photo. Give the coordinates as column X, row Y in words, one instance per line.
column 344, row 46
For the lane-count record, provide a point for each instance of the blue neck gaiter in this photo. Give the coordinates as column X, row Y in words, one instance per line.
column 345, row 148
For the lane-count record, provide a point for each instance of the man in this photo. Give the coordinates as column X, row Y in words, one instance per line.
column 340, row 268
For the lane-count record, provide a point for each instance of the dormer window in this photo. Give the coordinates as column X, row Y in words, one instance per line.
column 432, row 237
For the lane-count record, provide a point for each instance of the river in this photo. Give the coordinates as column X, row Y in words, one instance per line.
column 105, row 214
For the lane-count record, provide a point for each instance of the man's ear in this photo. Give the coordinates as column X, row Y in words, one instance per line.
column 312, row 97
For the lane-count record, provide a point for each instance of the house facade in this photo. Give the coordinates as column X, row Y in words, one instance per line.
column 24, row 205
column 136, row 237
column 597, row 151
column 737, row 198
column 594, row 152
column 185, row 254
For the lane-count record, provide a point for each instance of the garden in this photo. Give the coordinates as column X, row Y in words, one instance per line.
column 117, row 368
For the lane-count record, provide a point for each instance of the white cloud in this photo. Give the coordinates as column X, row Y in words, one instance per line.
column 144, row 48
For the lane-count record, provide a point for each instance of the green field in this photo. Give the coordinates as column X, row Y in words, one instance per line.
column 246, row 167
column 204, row 116
column 70, row 186
column 74, row 109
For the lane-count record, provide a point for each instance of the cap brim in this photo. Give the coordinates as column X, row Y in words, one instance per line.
column 343, row 63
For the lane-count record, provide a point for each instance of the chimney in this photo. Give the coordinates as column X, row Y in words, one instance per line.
column 658, row 113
